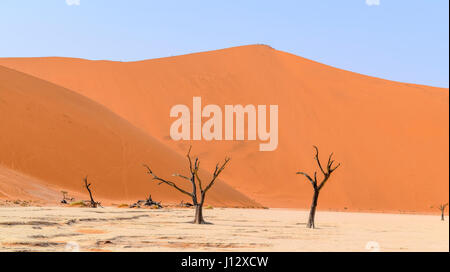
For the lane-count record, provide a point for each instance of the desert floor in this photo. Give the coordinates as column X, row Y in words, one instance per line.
column 116, row 229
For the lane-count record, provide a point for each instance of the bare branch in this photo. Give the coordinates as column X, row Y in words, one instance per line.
column 316, row 157
column 332, row 169
column 181, row 176
column 200, row 185
column 329, row 159
column 170, row 183
column 307, row 176
column 323, row 182
column 217, row 172
column 188, row 155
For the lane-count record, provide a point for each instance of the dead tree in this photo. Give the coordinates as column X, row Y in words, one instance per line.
column 198, row 192
column 185, row 204
column 64, row 201
column 148, row 202
column 442, row 208
column 317, row 186
column 93, row 203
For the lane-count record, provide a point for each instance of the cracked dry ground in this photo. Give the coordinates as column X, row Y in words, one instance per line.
column 168, row 229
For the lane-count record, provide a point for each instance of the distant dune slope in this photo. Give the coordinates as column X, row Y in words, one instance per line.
column 391, row 138
column 57, row 136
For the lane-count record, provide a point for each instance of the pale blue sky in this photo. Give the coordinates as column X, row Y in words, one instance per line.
column 398, row 39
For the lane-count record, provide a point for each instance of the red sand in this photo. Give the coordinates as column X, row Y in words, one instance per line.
column 391, row 138
column 58, row 136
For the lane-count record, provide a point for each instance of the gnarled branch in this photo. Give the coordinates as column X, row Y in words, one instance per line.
column 308, row 177
column 217, row 172
column 170, row 183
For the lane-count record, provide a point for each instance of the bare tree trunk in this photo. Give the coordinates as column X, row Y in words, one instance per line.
column 198, row 219
column 199, row 214
column 94, row 204
column 312, row 212
column 442, row 208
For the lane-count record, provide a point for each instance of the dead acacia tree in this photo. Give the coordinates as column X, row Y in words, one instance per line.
column 64, row 201
column 317, row 186
column 93, row 203
column 198, row 192
column 442, row 208
column 147, row 202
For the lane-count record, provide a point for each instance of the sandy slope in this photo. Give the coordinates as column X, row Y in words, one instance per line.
column 112, row 229
column 57, row 137
column 15, row 185
column 392, row 138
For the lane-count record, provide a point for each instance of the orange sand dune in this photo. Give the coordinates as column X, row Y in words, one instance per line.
column 391, row 137
column 54, row 135
column 15, row 185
